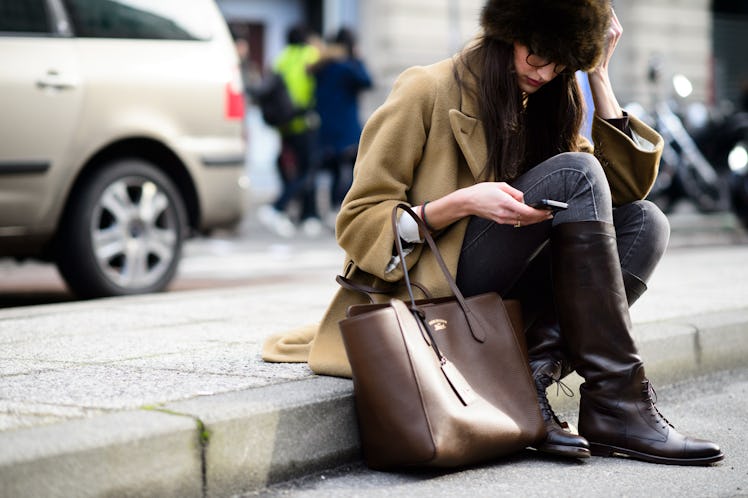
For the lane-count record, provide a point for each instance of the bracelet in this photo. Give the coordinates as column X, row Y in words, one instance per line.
column 423, row 217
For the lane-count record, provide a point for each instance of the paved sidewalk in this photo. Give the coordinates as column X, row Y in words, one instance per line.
column 165, row 395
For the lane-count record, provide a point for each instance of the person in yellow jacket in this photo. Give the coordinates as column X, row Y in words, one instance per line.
column 471, row 143
column 298, row 158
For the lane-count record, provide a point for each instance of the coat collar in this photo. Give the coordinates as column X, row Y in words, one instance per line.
column 470, row 137
column 468, row 129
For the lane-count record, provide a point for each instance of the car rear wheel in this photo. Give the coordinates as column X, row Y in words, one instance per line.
column 123, row 232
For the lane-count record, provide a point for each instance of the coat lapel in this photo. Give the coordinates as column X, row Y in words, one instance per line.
column 468, row 130
column 472, row 141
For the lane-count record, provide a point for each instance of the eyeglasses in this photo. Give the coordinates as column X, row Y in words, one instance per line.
column 535, row 60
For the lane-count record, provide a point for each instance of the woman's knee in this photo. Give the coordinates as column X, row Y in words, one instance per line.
column 583, row 162
column 586, row 187
column 647, row 219
column 655, row 214
column 643, row 233
column 587, row 170
column 658, row 225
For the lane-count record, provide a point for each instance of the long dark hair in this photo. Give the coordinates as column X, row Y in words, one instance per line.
column 519, row 133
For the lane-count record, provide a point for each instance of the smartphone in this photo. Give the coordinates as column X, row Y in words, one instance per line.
column 549, row 204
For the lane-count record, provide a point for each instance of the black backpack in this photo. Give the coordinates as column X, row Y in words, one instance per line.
column 274, row 101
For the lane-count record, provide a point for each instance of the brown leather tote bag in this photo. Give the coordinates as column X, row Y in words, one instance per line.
column 439, row 382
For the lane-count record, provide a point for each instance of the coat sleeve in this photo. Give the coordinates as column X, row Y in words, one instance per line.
column 630, row 163
column 390, row 150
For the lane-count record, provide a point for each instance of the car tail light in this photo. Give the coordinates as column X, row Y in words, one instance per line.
column 235, row 106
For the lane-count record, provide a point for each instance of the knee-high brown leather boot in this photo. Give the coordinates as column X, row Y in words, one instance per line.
column 549, row 363
column 546, row 354
column 617, row 414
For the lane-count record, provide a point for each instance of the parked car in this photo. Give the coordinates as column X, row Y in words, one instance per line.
column 121, row 134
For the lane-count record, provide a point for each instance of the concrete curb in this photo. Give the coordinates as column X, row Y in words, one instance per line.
column 273, row 434
column 158, row 455
column 242, row 441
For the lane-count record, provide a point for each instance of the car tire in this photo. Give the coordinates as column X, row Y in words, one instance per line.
column 123, row 231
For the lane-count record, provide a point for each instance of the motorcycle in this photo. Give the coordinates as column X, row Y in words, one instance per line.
column 723, row 138
column 704, row 161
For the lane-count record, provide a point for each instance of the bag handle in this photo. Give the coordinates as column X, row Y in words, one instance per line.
column 368, row 290
column 474, row 324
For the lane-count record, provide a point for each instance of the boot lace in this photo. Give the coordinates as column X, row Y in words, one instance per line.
column 545, row 405
column 649, row 396
column 561, row 387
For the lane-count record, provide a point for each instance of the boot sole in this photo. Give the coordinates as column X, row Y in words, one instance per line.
column 604, row 450
column 565, row 451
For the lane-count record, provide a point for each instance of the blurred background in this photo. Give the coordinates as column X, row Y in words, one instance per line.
column 703, row 39
column 112, row 108
column 701, row 42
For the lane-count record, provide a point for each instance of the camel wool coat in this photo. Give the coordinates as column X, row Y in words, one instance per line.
column 424, row 142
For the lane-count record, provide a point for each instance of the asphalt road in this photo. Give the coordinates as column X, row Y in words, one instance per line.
column 224, row 260
column 252, row 254
column 717, row 404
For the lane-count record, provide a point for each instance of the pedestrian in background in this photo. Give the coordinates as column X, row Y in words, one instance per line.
column 298, row 156
column 250, row 74
column 341, row 76
column 470, row 142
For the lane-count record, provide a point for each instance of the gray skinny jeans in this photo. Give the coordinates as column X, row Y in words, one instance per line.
column 514, row 262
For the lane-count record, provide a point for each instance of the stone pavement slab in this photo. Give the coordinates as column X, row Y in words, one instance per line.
column 166, row 395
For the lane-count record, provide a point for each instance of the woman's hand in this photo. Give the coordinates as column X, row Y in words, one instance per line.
column 606, row 104
column 615, row 31
column 502, row 203
column 496, row 201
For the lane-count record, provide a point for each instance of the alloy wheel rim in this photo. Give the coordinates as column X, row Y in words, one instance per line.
column 134, row 233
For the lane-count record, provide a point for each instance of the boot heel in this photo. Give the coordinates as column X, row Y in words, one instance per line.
column 601, row 450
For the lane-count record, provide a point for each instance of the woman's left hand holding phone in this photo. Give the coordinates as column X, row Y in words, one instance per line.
column 496, row 201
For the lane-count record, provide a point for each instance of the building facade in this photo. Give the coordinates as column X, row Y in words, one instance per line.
column 701, row 39
column 705, row 40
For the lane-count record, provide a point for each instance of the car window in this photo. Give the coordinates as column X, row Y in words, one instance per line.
column 27, row 16
column 145, row 19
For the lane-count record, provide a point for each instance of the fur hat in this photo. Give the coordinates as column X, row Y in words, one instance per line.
column 569, row 32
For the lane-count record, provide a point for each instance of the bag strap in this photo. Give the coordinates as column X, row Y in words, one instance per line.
column 460, row 385
column 368, row 290
column 476, row 329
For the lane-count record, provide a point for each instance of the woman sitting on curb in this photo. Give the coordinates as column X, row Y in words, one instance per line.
column 470, row 142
